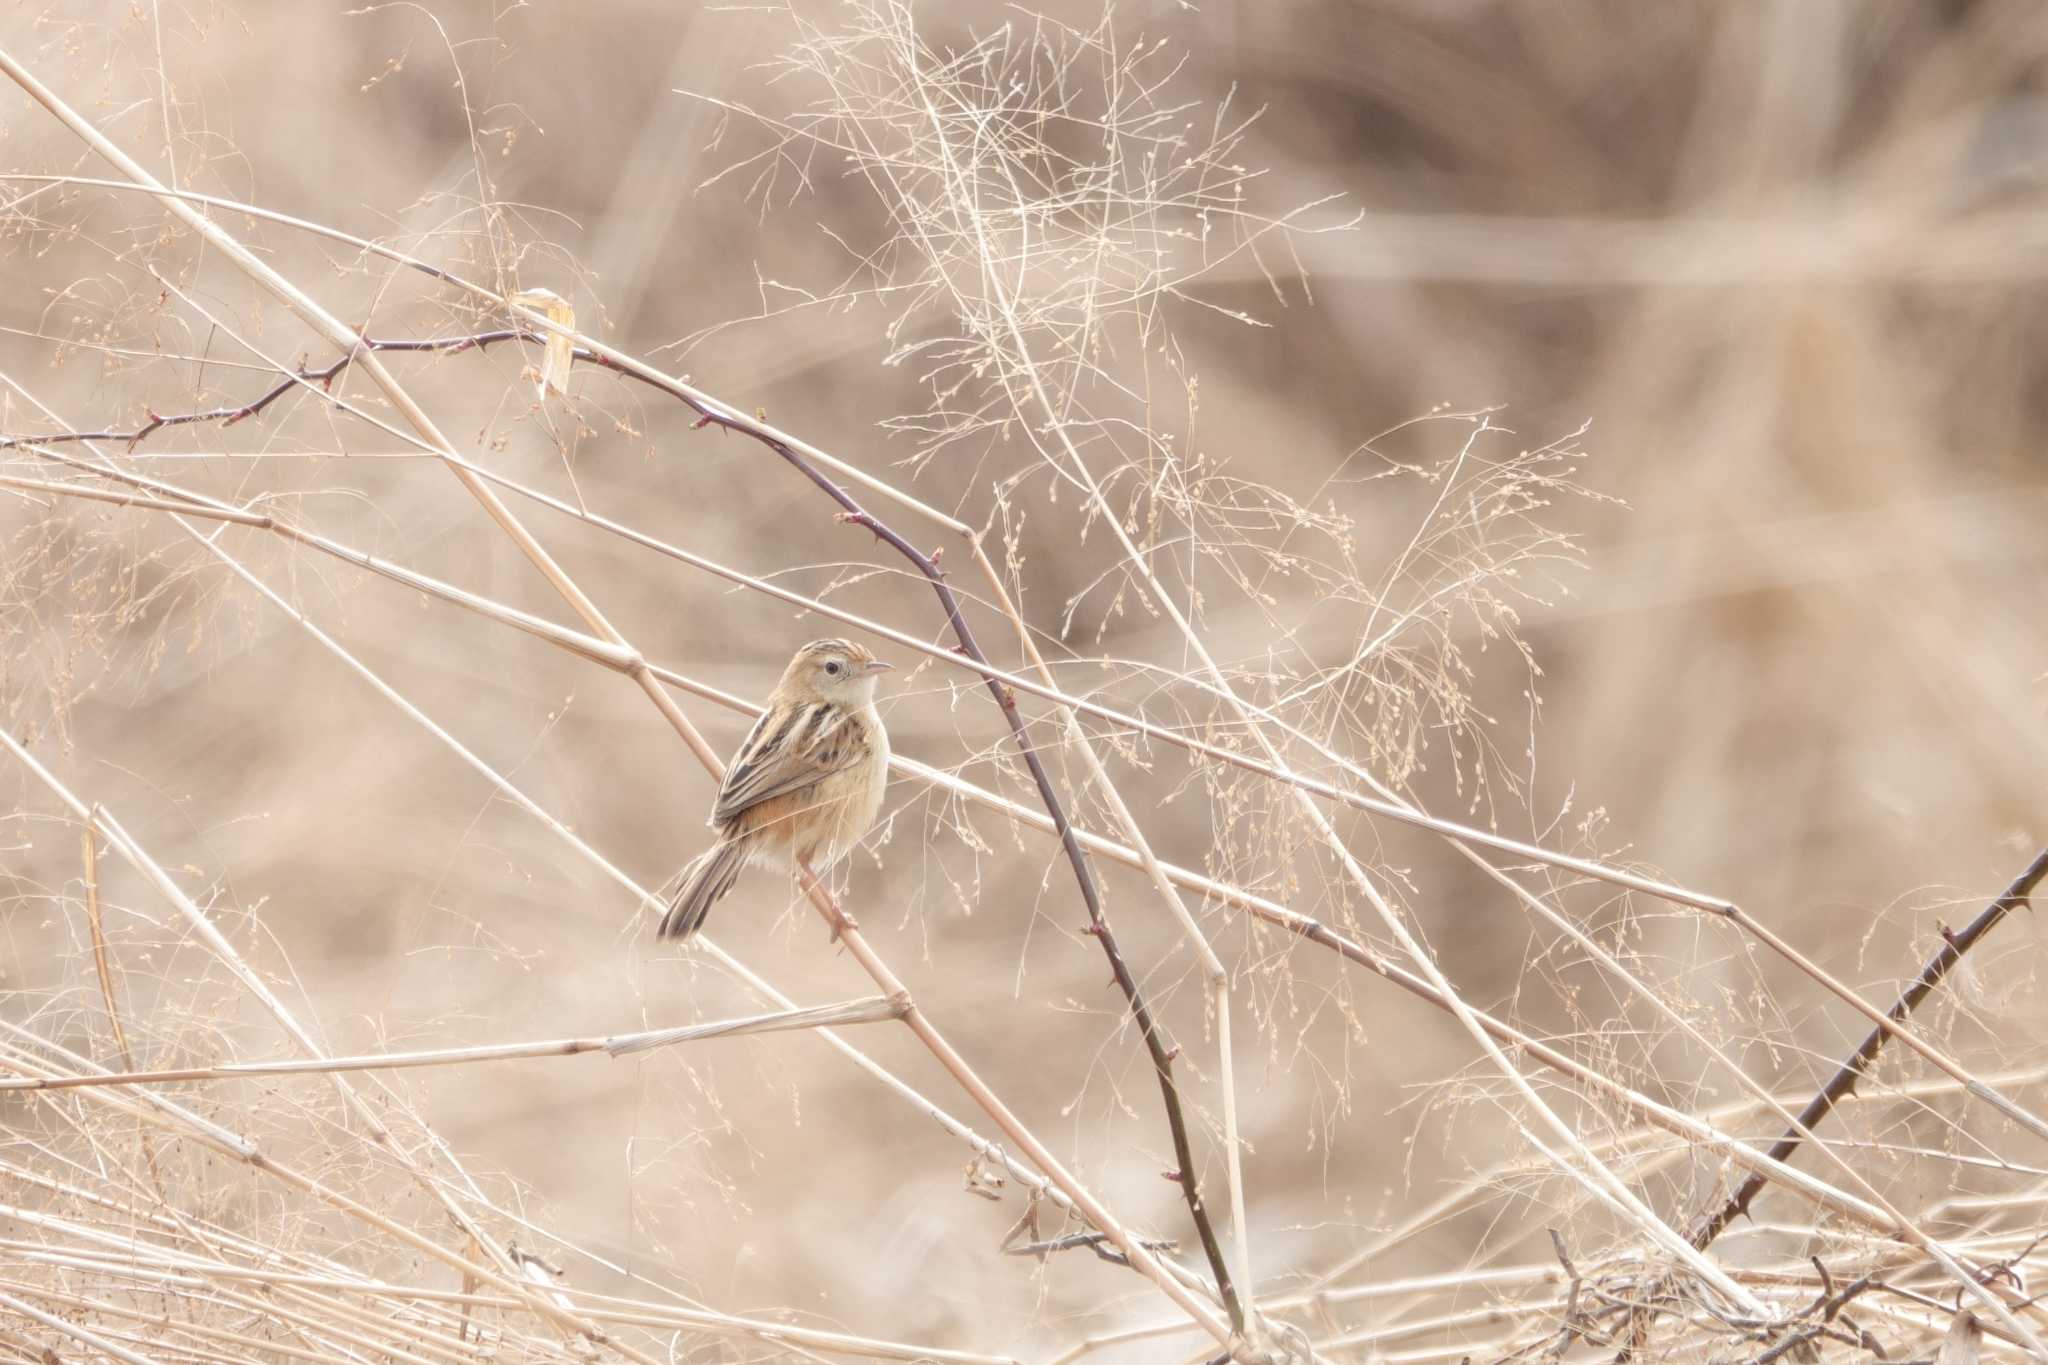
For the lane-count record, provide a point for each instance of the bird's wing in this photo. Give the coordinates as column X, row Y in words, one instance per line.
column 786, row 753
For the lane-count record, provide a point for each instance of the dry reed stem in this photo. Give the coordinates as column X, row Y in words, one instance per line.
column 1966, row 1277
column 173, row 1271
column 228, row 1143
column 80, row 1334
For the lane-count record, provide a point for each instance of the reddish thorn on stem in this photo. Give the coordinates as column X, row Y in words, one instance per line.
column 701, row 422
column 1173, row 1052
column 1174, row 1176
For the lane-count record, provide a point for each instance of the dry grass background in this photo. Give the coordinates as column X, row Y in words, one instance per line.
column 1783, row 257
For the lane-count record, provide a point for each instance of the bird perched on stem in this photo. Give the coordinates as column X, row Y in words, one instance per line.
column 805, row 784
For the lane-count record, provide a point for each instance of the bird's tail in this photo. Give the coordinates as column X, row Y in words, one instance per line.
column 703, row 882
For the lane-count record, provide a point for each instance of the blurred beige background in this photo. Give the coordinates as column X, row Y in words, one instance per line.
column 1784, row 258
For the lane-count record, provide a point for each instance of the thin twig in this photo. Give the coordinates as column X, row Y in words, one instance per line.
column 324, row 376
column 1094, row 1241
column 870, row 1010
column 1217, row 978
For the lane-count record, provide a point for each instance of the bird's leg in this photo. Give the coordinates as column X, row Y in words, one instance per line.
column 841, row 921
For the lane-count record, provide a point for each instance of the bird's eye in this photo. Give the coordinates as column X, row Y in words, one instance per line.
column 833, row 666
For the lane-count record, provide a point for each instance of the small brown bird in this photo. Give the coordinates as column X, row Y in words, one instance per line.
column 805, row 784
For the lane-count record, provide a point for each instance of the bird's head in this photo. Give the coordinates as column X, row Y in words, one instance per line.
column 833, row 671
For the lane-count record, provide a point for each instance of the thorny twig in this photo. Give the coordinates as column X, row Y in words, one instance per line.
column 1857, row 1064
column 1824, row 1311
column 1571, row 1326
column 1094, row 1241
column 324, row 376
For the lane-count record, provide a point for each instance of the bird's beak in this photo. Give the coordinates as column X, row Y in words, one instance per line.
column 876, row 666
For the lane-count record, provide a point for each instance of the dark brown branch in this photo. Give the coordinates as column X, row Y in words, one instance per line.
column 1818, row 1319
column 1097, row 1242
column 1857, row 1064
column 300, row 378
column 1162, row 1053
column 853, row 514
